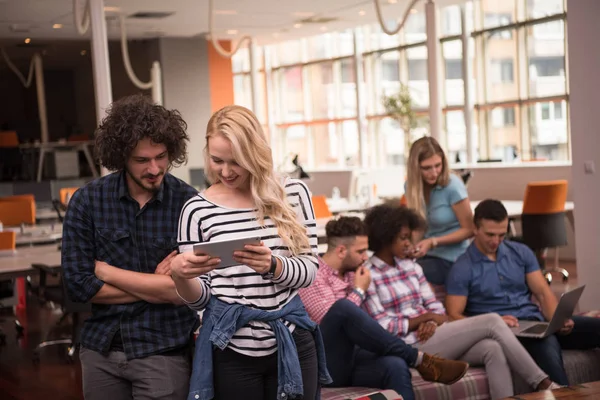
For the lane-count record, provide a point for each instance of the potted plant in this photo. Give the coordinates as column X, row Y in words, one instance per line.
column 399, row 107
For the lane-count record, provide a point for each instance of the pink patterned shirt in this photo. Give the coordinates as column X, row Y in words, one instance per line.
column 327, row 288
column 399, row 293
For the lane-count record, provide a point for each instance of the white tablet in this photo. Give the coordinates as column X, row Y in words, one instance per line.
column 224, row 249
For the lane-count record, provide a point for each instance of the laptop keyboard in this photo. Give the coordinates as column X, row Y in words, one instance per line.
column 538, row 328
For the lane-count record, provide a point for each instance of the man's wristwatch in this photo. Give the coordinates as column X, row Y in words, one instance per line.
column 361, row 293
column 271, row 273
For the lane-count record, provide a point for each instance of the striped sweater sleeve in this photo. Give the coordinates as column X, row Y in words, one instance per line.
column 190, row 232
column 300, row 271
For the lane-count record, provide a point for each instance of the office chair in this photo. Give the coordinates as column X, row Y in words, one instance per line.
column 543, row 222
column 320, row 206
column 58, row 295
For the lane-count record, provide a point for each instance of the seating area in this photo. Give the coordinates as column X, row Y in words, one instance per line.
column 468, row 124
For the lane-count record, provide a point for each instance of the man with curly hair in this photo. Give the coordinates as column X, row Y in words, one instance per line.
column 119, row 237
column 359, row 351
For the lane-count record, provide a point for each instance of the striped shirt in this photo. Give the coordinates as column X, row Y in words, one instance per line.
column 398, row 293
column 202, row 221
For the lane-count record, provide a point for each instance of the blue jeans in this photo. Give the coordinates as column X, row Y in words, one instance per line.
column 547, row 352
column 435, row 269
column 360, row 352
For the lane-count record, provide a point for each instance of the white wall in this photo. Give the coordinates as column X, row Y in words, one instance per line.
column 186, row 88
column 584, row 64
column 509, row 182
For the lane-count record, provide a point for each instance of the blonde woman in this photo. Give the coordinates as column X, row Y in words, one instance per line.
column 442, row 199
column 256, row 341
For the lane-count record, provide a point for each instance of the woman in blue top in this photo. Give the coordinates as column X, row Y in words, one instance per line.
column 442, row 199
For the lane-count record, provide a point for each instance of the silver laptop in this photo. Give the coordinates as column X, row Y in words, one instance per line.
column 564, row 311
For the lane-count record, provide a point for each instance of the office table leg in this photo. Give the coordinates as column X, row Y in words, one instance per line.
column 571, row 219
column 22, row 294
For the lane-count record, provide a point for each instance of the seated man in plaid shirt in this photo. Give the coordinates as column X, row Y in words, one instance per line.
column 360, row 352
column 119, row 237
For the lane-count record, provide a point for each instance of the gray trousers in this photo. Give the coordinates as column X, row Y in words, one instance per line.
column 486, row 340
column 154, row 377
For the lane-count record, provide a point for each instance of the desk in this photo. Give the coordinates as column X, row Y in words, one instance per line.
column 343, row 205
column 46, row 214
column 513, row 208
column 50, row 147
column 18, row 264
column 38, row 234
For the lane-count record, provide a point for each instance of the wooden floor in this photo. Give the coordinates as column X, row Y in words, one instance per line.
column 54, row 378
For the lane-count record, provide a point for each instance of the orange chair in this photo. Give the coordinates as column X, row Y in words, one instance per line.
column 9, row 139
column 66, row 194
column 321, row 208
column 17, row 212
column 82, row 137
column 543, row 221
column 18, row 197
column 403, row 201
column 8, row 240
column 11, row 159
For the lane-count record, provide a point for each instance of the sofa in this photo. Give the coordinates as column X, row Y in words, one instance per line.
column 581, row 367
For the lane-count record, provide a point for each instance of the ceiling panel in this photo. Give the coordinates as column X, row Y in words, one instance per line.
column 266, row 20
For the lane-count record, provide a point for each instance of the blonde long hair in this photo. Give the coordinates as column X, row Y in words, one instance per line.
column 252, row 152
column 421, row 150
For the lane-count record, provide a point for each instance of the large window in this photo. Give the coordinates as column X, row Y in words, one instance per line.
column 516, row 75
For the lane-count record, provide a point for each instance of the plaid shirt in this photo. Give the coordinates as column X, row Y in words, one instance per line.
column 103, row 222
column 327, row 288
column 399, row 293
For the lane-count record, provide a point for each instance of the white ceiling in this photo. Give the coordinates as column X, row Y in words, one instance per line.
column 267, row 20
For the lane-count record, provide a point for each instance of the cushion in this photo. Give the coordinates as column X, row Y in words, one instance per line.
column 358, row 393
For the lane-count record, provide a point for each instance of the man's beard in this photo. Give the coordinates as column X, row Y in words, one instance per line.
column 152, row 189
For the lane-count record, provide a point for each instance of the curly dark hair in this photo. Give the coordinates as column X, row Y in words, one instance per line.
column 345, row 227
column 133, row 118
column 384, row 222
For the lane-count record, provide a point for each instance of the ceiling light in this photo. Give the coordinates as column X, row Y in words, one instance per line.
column 323, row 28
column 225, row 12
column 297, row 25
column 413, row 11
column 28, row 40
column 232, row 31
column 112, row 9
column 57, row 26
column 392, row 1
column 361, row 12
column 304, row 14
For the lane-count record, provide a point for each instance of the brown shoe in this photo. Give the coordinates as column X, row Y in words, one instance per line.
column 436, row 369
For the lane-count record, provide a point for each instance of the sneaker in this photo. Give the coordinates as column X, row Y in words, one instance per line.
column 436, row 369
column 554, row 386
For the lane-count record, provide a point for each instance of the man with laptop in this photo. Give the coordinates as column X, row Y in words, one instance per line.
column 500, row 276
